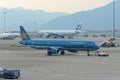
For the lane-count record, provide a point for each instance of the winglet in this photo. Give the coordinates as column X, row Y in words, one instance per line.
column 24, row 34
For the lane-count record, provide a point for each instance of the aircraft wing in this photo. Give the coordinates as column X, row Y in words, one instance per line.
column 46, row 47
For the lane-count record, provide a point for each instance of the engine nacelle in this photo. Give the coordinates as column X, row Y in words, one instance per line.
column 52, row 50
column 59, row 35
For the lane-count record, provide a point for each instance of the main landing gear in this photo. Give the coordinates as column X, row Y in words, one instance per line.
column 88, row 54
column 62, row 52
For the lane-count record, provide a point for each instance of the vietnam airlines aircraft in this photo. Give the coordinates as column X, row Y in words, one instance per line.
column 56, row 46
column 61, row 33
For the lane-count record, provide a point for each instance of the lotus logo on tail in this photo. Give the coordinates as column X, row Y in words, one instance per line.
column 23, row 35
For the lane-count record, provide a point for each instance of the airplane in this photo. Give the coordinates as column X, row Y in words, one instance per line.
column 54, row 46
column 9, row 35
column 14, row 34
column 4, row 36
column 60, row 33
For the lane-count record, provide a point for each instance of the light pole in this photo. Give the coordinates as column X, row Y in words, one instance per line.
column 113, row 19
column 5, row 21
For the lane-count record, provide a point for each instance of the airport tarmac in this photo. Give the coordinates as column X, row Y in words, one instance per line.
column 36, row 65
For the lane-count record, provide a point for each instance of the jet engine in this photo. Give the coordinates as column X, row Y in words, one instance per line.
column 52, row 50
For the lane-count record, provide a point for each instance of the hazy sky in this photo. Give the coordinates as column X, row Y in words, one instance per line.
column 69, row 6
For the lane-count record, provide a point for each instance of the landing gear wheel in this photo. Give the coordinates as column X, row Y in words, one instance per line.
column 88, row 54
column 48, row 53
column 62, row 53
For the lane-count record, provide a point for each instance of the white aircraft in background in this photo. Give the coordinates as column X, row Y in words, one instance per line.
column 60, row 33
column 9, row 35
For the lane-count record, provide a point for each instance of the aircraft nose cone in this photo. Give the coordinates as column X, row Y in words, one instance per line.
column 97, row 47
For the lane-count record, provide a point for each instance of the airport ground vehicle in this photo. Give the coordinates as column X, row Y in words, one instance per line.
column 110, row 43
column 9, row 74
column 101, row 53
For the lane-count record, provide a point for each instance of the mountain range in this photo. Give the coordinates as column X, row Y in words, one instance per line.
column 96, row 19
column 28, row 18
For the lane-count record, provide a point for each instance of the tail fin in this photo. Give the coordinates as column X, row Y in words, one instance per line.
column 24, row 34
column 79, row 27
